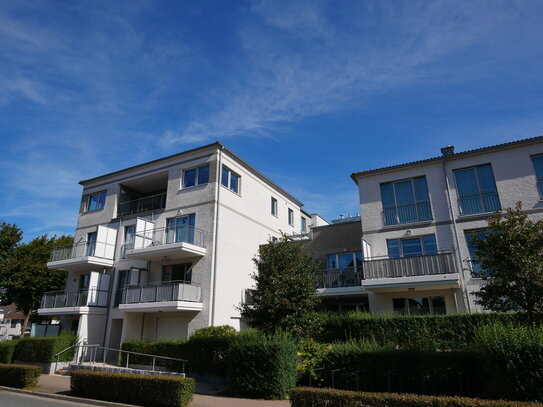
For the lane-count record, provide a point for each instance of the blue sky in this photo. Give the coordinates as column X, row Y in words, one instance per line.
column 306, row 91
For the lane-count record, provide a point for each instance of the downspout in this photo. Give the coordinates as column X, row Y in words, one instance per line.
column 215, row 241
column 456, row 239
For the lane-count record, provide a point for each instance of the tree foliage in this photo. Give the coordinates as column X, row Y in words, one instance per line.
column 511, row 258
column 284, row 297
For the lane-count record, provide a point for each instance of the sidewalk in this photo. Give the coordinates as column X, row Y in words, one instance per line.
column 203, row 396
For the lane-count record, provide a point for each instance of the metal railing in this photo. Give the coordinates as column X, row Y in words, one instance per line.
column 148, row 203
column 160, row 292
column 479, row 203
column 84, row 249
column 409, row 212
column 441, row 263
column 168, row 235
column 347, row 277
column 60, row 299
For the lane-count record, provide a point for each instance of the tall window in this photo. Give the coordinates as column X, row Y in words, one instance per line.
column 414, row 246
column 273, row 206
column 406, row 201
column 477, row 190
column 470, row 234
column 538, row 165
column 129, row 238
column 177, row 272
column 303, row 224
column 96, row 201
column 291, row 217
column 180, row 229
column 230, row 179
column 196, row 176
column 91, row 243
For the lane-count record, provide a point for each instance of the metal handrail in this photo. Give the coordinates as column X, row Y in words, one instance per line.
column 160, row 292
column 385, row 257
column 157, row 201
column 168, row 235
column 82, row 249
column 416, row 211
column 89, row 296
column 479, row 202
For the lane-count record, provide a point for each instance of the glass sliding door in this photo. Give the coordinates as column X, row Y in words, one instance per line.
column 181, row 229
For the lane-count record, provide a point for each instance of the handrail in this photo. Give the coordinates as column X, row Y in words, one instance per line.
column 85, row 248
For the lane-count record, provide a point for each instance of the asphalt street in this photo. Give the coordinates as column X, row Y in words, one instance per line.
column 9, row 399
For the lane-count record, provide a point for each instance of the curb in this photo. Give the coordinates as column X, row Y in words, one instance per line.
column 66, row 398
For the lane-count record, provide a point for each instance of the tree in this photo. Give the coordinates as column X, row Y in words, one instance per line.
column 284, row 296
column 24, row 275
column 10, row 236
column 511, row 258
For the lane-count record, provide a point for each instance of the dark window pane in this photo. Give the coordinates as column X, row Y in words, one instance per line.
column 398, row 305
column 359, row 259
column 224, row 177
column 190, row 178
column 404, row 192
column 102, row 200
column 430, row 244
column 438, row 305
column 203, row 175
column 486, row 178
column 387, row 195
column 418, row 306
column 421, row 189
column 411, row 247
column 480, row 234
column 234, row 179
column 332, row 261
column 393, row 247
column 466, row 182
column 345, row 260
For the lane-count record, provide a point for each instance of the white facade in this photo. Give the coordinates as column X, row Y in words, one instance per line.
column 10, row 323
column 154, row 258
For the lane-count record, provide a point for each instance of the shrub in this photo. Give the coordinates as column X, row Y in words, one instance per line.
column 6, row 351
column 208, row 355
column 223, row 331
column 142, row 390
column 43, row 350
column 171, row 348
column 19, row 376
column 262, row 366
column 311, row 397
column 513, row 361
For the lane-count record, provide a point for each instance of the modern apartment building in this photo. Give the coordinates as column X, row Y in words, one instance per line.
column 166, row 247
column 417, row 219
column 10, row 322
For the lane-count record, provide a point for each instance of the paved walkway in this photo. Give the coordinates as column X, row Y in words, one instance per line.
column 203, row 396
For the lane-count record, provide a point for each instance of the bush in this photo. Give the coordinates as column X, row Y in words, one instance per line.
column 208, row 355
column 311, row 397
column 142, row 390
column 171, row 349
column 6, row 351
column 19, row 376
column 513, row 361
column 43, row 350
column 223, row 331
column 262, row 366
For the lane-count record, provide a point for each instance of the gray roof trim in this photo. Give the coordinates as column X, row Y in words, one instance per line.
column 517, row 143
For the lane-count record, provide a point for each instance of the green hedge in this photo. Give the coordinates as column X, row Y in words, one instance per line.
column 141, row 390
column 43, row 350
column 19, row 376
column 262, row 366
column 311, row 397
column 172, row 349
column 6, row 351
column 454, row 331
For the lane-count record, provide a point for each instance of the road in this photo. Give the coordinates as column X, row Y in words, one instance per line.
column 9, row 399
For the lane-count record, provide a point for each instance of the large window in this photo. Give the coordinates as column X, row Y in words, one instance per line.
column 538, row 165
column 406, row 201
column 420, row 306
column 196, row 176
column 477, row 190
column 291, row 217
column 177, row 272
column 470, row 235
column 91, row 243
column 273, row 206
column 230, row 179
column 414, row 246
column 303, row 227
column 96, row 201
column 180, row 229
column 342, row 261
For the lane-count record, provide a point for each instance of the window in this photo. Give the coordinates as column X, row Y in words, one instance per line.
column 84, row 281
column 291, row 217
column 342, row 261
column 420, row 306
column 129, row 238
column 180, row 229
column 538, row 165
column 91, row 243
column 344, row 270
column 304, row 224
column 470, row 234
column 177, row 272
column 230, row 179
column 196, row 176
column 477, row 190
column 406, row 201
column 273, row 206
column 415, row 246
column 96, row 201
column 13, row 323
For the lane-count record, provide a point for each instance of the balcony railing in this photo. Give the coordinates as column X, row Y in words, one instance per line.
column 82, row 298
column 333, row 278
column 84, row 249
column 168, row 235
column 148, row 203
column 409, row 212
column 159, row 292
column 442, row 263
column 479, row 203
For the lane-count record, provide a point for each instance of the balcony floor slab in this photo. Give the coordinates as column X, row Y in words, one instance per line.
column 162, row 306
column 72, row 310
column 171, row 251
column 427, row 282
column 339, row 291
column 88, row 263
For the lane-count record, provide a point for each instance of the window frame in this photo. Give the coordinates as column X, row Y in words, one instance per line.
column 89, row 198
column 290, row 217
column 274, row 207
column 422, row 245
column 478, row 270
column 230, row 174
column 197, row 178
column 538, row 178
column 303, row 224
column 480, row 192
column 354, row 258
column 415, row 202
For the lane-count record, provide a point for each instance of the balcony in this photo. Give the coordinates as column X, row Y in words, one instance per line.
column 429, row 270
column 74, row 302
column 148, row 203
column 334, row 278
column 406, row 213
column 479, row 203
column 175, row 242
column 162, row 296
column 83, row 256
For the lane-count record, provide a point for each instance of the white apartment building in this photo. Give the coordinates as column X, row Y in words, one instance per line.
column 164, row 248
column 417, row 219
column 11, row 322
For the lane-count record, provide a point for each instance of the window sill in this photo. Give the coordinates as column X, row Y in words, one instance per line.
column 415, row 222
column 193, row 187
column 93, row 210
column 234, row 192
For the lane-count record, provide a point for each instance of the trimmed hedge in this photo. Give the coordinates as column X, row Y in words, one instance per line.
column 19, row 376
column 6, row 351
column 262, row 366
column 43, row 350
column 428, row 332
column 141, row 390
column 172, row 349
column 311, row 397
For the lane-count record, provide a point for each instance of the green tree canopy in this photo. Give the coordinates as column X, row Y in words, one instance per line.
column 511, row 257
column 284, row 296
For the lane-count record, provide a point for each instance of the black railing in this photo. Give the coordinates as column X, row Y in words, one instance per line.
column 89, row 248
column 148, row 203
column 479, row 203
column 82, row 298
column 442, row 263
column 332, row 278
column 409, row 212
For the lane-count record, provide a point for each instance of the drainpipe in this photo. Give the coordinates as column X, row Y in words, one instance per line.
column 456, row 239
column 212, row 288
